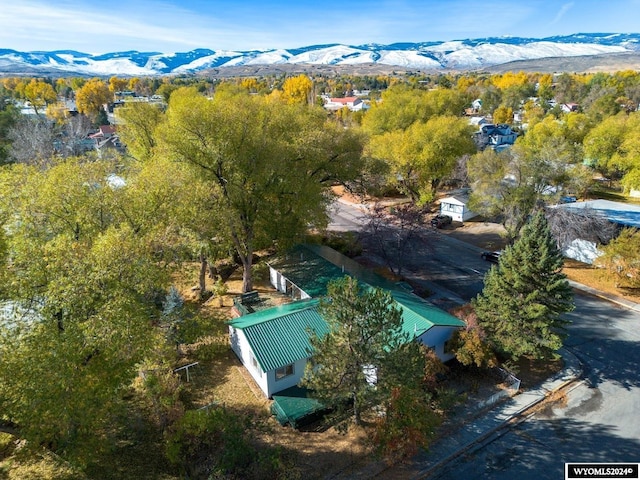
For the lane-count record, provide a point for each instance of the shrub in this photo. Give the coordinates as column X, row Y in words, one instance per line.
column 214, row 444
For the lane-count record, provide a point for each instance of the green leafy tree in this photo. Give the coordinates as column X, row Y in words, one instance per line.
column 138, row 122
column 525, row 295
column 613, row 144
column 424, row 154
column 363, row 342
column 269, row 165
column 87, row 280
column 401, row 106
column 501, row 189
column 9, row 115
column 509, row 184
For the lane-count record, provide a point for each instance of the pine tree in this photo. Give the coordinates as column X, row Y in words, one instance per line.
column 365, row 339
column 525, row 295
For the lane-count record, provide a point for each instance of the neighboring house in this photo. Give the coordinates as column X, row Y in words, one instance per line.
column 496, row 137
column 104, row 132
column 354, row 104
column 518, row 117
column 477, row 121
column 622, row 214
column 570, row 107
column 457, row 208
column 105, row 138
column 273, row 344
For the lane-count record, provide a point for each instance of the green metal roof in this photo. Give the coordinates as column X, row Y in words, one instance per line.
column 279, row 336
column 419, row 315
column 294, row 406
column 311, row 268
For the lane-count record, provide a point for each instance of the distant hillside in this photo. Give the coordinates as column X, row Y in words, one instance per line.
column 614, row 62
column 461, row 55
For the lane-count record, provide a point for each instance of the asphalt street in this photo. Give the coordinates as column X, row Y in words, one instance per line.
column 595, row 421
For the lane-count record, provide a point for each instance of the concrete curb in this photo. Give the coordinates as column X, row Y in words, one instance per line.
column 623, row 302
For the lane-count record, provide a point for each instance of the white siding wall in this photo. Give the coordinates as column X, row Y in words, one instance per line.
column 265, row 380
column 242, row 349
column 435, row 338
column 277, row 280
column 457, row 212
column 454, row 211
column 275, row 386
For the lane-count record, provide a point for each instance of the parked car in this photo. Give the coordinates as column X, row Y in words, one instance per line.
column 493, row 257
column 440, row 221
column 568, row 199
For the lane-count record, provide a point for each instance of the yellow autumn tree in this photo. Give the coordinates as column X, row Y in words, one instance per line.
column 92, row 96
column 297, row 89
column 510, row 79
column 250, row 83
column 57, row 111
column 39, row 93
column 118, row 84
column 503, row 114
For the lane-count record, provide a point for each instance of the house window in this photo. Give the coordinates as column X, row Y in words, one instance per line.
column 284, row 372
column 254, row 363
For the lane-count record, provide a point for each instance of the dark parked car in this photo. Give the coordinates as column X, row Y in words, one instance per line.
column 440, row 221
column 491, row 256
column 568, row 199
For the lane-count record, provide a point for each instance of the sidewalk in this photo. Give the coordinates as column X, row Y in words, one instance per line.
column 474, row 434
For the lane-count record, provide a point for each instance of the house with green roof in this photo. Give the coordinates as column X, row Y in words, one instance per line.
column 273, row 344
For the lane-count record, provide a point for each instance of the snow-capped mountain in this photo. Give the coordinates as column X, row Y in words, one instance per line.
column 459, row 54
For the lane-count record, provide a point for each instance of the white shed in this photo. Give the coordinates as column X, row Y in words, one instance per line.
column 456, row 207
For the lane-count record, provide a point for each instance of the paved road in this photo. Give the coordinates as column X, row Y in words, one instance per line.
column 597, row 421
column 345, row 217
column 433, row 258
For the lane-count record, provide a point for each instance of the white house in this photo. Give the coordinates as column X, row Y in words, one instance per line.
column 273, row 344
column 478, row 121
column 354, row 104
column 457, row 208
column 622, row 214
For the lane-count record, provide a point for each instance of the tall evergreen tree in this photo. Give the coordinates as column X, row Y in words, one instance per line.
column 525, row 295
column 364, row 343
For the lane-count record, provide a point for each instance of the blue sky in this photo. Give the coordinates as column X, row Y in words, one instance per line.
column 181, row 25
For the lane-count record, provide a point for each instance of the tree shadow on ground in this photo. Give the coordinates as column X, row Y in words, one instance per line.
column 603, row 337
column 539, row 449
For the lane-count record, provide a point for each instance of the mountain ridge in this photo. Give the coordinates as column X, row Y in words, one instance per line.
column 464, row 54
